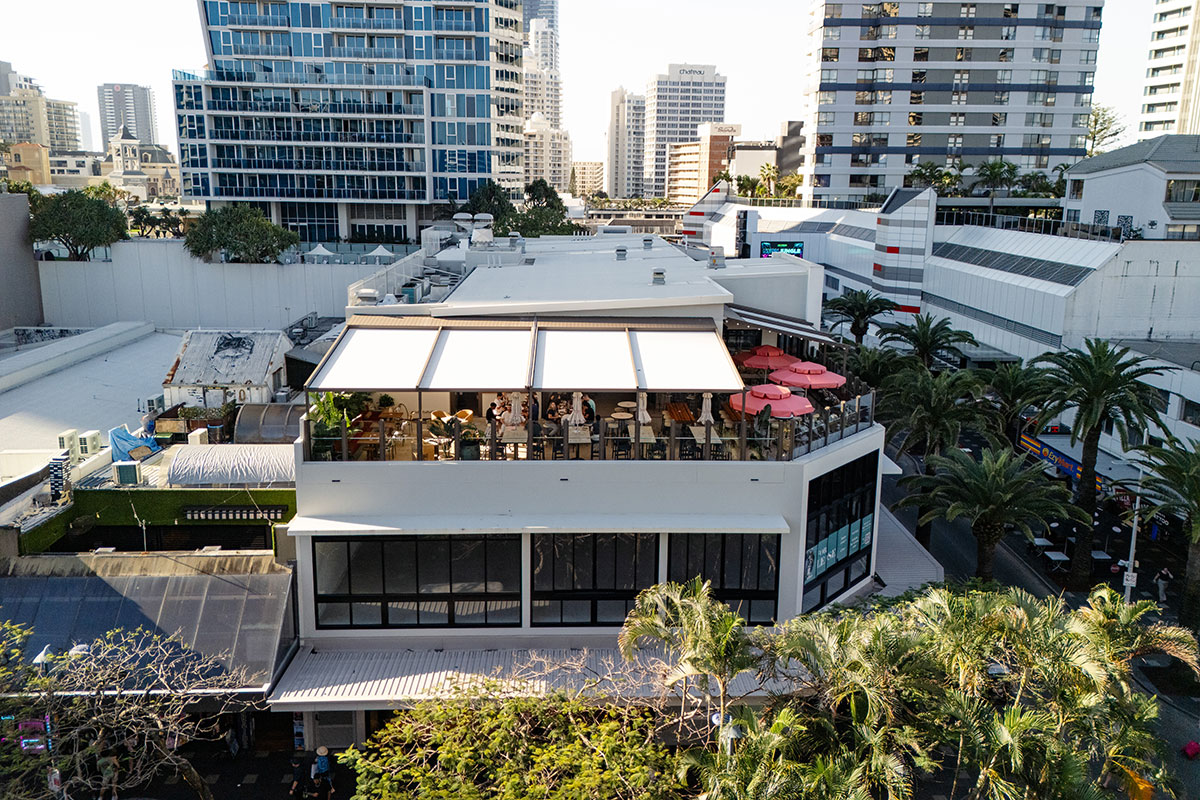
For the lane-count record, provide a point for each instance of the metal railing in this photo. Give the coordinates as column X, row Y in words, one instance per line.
column 295, row 192
column 225, row 134
column 364, row 24
column 258, row 21
column 300, row 78
column 275, row 107
column 317, row 165
column 447, row 54
column 389, row 53
column 789, row 202
column 1049, row 227
column 250, row 49
column 466, row 25
column 397, row 438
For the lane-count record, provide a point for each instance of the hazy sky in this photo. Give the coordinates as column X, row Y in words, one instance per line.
column 756, row 44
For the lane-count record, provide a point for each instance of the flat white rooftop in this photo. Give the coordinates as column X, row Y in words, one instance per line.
column 99, row 393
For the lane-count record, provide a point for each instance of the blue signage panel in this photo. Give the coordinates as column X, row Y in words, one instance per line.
column 768, row 249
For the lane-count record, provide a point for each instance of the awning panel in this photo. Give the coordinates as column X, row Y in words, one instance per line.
column 479, row 360
column 684, row 361
column 791, row 326
column 372, row 359
column 584, row 360
column 538, row 523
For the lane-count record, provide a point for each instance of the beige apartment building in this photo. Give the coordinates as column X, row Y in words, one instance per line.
column 588, row 177
column 692, row 167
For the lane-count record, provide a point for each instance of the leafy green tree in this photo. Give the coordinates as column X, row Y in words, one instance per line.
column 117, row 198
column 1000, row 492
column 1060, row 179
column 26, row 188
column 572, row 187
column 1171, row 484
column 993, row 175
column 723, row 175
column 494, row 743
column 927, row 413
column 77, row 222
column 143, row 219
column 544, row 213
column 859, row 308
column 243, row 232
column 758, row 767
column 1102, row 384
column 492, row 198
column 1104, row 127
column 1012, row 389
column 926, row 338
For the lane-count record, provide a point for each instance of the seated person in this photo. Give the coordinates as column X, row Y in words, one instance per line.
column 491, row 413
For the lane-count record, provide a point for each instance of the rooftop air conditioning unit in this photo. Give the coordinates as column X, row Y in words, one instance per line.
column 367, row 297
column 155, row 404
column 283, row 395
column 310, row 320
column 69, row 441
column 89, row 444
column 127, row 473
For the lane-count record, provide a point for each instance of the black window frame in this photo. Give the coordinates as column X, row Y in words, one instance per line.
column 843, row 496
column 384, row 598
column 594, row 593
column 723, row 585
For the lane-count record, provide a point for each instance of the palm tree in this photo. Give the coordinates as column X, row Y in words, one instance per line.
column 859, row 308
column 874, row 365
column 767, row 175
column 1171, row 483
column 1102, row 384
column 758, row 768
column 927, row 413
column 1060, row 180
column 1001, row 491
column 927, row 338
column 789, row 185
column 747, row 186
column 705, row 638
column 927, row 174
column 1012, row 388
column 993, row 175
column 723, row 175
column 955, row 179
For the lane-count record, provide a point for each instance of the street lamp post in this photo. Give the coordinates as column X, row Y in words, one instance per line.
column 1129, row 566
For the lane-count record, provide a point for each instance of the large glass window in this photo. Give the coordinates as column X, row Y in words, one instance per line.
column 743, row 569
column 590, row 578
column 413, row 581
column 841, row 519
column 1183, row 191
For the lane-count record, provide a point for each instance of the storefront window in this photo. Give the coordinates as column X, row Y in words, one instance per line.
column 590, row 578
column 415, row 581
column 743, row 569
column 841, row 518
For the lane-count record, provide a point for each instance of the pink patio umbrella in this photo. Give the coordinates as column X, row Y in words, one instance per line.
column 807, row 368
column 783, row 403
column 797, row 376
column 760, row 350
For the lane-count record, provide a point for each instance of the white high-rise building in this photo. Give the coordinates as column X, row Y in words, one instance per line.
column 547, row 153
column 543, row 82
column 1169, row 97
column 896, row 83
column 541, row 9
column 128, row 105
column 626, row 138
column 677, row 103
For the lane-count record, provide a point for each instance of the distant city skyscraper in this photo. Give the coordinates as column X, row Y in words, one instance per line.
column 677, row 103
column 626, row 143
column 87, row 138
column 541, row 9
column 28, row 116
column 1171, row 93
column 129, row 105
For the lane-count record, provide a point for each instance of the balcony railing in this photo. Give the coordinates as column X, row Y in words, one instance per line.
column 258, row 21
column 300, row 193
column 363, row 24
column 317, row 165
column 300, row 78
column 790, row 202
column 226, row 135
column 466, row 25
column 402, row 436
column 389, row 53
column 250, row 49
column 447, row 54
column 391, row 110
column 1050, row 227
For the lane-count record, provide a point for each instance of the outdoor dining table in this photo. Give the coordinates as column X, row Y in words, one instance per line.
column 627, row 404
column 680, row 412
column 1057, row 559
column 622, row 415
column 698, row 434
column 1100, row 555
column 648, row 436
column 1042, row 542
column 577, row 437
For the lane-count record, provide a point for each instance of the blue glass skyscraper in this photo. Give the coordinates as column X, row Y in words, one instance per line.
column 352, row 120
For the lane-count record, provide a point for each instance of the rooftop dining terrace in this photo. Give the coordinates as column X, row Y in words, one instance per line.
column 451, row 389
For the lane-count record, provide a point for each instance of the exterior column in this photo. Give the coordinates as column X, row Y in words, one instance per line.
column 343, row 211
column 410, row 224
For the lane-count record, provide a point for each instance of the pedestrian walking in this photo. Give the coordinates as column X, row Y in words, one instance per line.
column 1162, row 578
column 320, row 789
column 299, row 778
column 322, row 765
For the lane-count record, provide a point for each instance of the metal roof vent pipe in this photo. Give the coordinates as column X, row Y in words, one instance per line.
column 658, row 277
column 621, row 253
column 716, row 258
column 647, row 242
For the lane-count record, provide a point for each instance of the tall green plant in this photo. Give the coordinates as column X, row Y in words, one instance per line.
column 859, row 308
column 242, row 232
column 927, row 338
column 1171, row 484
column 1102, row 384
column 1012, row 389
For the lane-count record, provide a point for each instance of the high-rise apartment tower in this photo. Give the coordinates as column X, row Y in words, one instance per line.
column 1171, row 94
column 129, row 105
column 677, row 103
column 626, row 144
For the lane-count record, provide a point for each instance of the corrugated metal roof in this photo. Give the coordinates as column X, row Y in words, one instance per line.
column 907, row 565
column 328, row 679
column 227, row 358
column 1171, row 153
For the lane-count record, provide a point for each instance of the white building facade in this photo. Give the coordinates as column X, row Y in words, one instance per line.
column 547, row 153
column 677, row 103
column 1169, row 104
column 891, row 85
column 626, row 143
column 129, row 105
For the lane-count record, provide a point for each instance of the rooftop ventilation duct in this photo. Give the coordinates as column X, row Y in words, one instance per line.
column 658, row 277
column 621, row 252
column 647, row 242
column 483, row 221
column 464, row 221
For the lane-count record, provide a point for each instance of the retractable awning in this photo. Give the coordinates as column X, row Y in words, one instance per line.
column 792, row 326
column 423, row 353
column 344, row 525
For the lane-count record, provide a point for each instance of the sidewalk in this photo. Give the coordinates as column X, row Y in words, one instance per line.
column 252, row 775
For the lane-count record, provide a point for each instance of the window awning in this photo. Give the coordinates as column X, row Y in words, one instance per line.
column 792, row 326
column 352, row 525
column 422, row 353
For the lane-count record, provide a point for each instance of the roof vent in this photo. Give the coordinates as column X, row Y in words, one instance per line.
column 647, row 242
column 716, row 258
column 658, row 277
column 621, row 251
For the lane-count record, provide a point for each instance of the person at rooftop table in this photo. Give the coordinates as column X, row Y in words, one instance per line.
column 491, row 413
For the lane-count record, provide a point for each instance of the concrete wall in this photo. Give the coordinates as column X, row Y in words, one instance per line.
column 392, row 490
column 20, row 293
column 1137, row 190
column 159, row 281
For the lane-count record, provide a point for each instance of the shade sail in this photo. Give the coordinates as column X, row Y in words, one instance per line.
column 594, row 361
column 367, row 359
column 677, row 361
column 482, row 360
